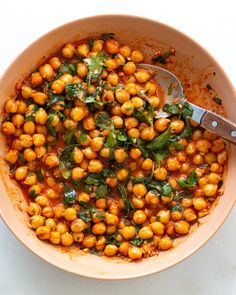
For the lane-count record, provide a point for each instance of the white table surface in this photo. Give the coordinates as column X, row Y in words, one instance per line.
column 212, row 270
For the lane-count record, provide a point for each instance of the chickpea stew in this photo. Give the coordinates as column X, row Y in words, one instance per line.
column 97, row 166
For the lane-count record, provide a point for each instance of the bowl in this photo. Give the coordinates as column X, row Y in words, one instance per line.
column 193, row 65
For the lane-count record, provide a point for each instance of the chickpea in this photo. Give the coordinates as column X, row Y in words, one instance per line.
column 51, row 223
column 135, row 153
column 82, row 196
column 129, row 68
column 89, row 241
column 111, row 65
column 152, row 198
column 122, row 174
column 39, row 139
column 21, row 173
column 124, row 248
column 26, row 91
column 58, row 86
column 139, row 190
column 47, row 212
column 161, row 124
column 150, row 88
column 46, row 71
column 70, row 214
column 36, row 221
column 52, row 161
column 95, row 166
column 43, row 232
column 78, row 155
column 89, row 123
column 99, row 228
column 110, row 250
column 55, row 62
column 36, row 79
column 128, row 232
column 147, row 164
column 59, row 211
column 135, row 253
column 182, row 227
column 177, row 126
column 66, row 239
column 12, row 156
column 78, row 225
column 83, row 50
column 160, row 173
column 122, row 96
column 62, row 228
column 165, row 243
column 222, row 157
column 77, row 113
column 96, row 144
column 105, row 153
column 217, row 146
column 131, row 122
column 42, row 200
column 97, row 45
column 199, row 204
column 78, row 237
column 55, row 238
column 158, row 228
column 18, row 120
column 30, row 179
column 127, row 108
column 111, row 219
column 29, row 127
column 139, row 217
column 198, row 159
column 154, row 101
column 101, row 243
column 8, row 128
column 40, row 98
column 40, row 151
column 189, row 215
column 120, row 155
column 210, row 190
column 41, row 117
column 142, row 76
column 67, row 79
column 113, row 79
column 214, row 178
column 191, row 149
column 148, row 134
column 78, row 173
column 203, row 145
column 33, row 209
column 145, row 233
column 138, row 203
column 118, row 122
column 137, row 56
column 134, row 132
column 68, row 51
column 173, row 164
column 163, row 216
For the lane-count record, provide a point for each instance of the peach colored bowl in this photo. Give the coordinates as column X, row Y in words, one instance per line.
column 193, row 64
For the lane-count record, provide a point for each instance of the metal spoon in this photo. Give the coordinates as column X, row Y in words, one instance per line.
column 207, row 119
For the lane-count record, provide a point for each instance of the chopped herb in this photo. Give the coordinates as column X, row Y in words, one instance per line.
column 84, row 215
column 162, row 58
column 75, row 91
column 107, row 36
column 21, row 159
column 166, row 190
column 32, row 194
column 170, row 89
column 186, row 132
column 177, row 146
column 103, row 121
column 111, row 239
column 145, row 117
column 55, row 98
column 160, row 142
column 51, row 130
column 208, row 87
column 176, row 207
column 217, row 100
column 95, row 66
column 65, row 68
column 69, row 195
column 190, row 181
column 30, row 116
column 40, row 175
column 95, row 252
column 66, row 161
column 136, row 242
column 123, row 193
column 101, row 191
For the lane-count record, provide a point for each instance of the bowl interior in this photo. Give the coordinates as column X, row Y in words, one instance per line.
column 193, row 65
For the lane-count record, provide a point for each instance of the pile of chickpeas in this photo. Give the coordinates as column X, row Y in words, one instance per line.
column 151, row 221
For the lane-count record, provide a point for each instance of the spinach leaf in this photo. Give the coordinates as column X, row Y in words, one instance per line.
column 123, row 193
column 190, row 181
column 136, row 242
column 75, row 91
column 186, row 132
column 160, row 156
column 160, row 142
column 107, row 36
column 95, row 66
column 55, row 98
column 69, row 195
column 183, row 109
column 21, row 158
column 176, row 207
column 177, row 146
column 173, row 109
column 103, row 121
column 162, row 58
column 101, row 191
column 66, row 161
column 166, row 190
column 111, row 239
column 84, row 215
column 145, row 117
column 70, row 68
column 40, row 175
column 30, row 116
column 51, row 130
column 217, row 100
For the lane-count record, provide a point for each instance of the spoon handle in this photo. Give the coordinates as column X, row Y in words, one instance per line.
column 220, row 126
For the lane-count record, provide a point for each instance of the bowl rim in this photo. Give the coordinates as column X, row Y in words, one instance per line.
column 203, row 241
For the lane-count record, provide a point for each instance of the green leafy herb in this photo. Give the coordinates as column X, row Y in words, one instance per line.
column 30, row 116
column 145, row 117
column 190, row 181
column 177, row 146
column 69, row 195
column 166, row 190
column 32, row 194
column 107, row 36
column 162, row 58
column 136, row 242
column 40, row 175
column 184, row 110
column 84, row 215
column 176, row 207
column 111, row 239
column 75, row 91
column 82, row 137
column 21, row 159
column 208, row 87
column 123, row 193
column 69, row 136
column 170, row 89
column 217, row 100
column 103, row 121
column 66, row 161
column 160, row 156
column 101, row 191
column 95, row 252
column 55, row 98
column 65, row 68
column 95, row 66
column 186, row 132
column 160, row 142
column 51, row 130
